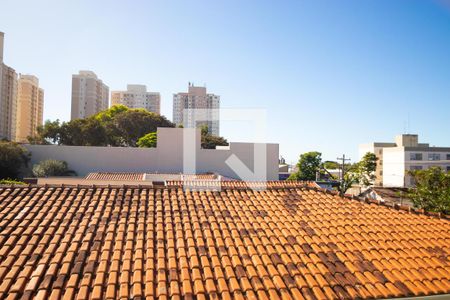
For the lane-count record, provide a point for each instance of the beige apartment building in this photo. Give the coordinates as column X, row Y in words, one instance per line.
column 136, row 96
column 196, row 108
column 30, row 107
column 405, row 154
column 8, row 97
column 89, row 95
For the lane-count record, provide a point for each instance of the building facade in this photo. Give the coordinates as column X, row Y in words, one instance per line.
column 8, row 97
column 406, row 154
column 196, row 108
column 30, row 107
column 89, row 95
column 136, row 96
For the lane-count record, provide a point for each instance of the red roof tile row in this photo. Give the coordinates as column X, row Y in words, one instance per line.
column 115, row 176
column 288, row 243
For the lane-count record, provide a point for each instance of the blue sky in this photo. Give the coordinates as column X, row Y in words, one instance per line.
column 331, row 74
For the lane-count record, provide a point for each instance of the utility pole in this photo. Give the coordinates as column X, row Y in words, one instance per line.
column 342, row 173
column 343, row 165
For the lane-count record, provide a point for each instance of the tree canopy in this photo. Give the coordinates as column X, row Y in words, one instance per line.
column 13, row 158
column 362, row 173
column 308, row 165
column 148, row 141
column 210, row 141
column 432, row 190
column 330, row 165
column 116, row 126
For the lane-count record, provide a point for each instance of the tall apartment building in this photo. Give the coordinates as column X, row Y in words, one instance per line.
column 406, row 153
column 30, row 107
column 196, row 108
column 89, row 95
column 8, row 96
column 136, row 96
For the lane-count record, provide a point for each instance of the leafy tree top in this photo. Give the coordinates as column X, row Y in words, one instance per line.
column 308, row 165
column 432, row 190
column 148, row 141
column 116, row 126
column 13, row 157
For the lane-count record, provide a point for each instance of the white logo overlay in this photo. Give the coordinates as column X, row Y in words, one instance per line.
column 253, row 176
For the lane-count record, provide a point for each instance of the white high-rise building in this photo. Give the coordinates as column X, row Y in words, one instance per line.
column 8, row 97
column 89, row 95
column 136, row 96
column 196, row 108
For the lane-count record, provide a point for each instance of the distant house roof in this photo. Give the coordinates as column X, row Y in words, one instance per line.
column 119, row 176
column 391, row 195
column 115, row 176
column 289, row 242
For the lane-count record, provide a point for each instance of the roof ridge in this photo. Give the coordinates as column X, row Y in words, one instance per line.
column 395, row 206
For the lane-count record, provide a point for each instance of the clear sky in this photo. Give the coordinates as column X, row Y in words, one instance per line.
column 331, row 74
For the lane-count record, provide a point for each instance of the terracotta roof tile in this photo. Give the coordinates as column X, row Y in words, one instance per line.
column 115, row 176
column 287, row 242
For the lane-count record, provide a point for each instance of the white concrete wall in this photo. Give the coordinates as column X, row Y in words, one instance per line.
column 394, row 167
column 168, row 157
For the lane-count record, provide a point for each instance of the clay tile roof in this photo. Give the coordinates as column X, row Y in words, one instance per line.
column 286, row 242
column 115, row 176
column 205, row 182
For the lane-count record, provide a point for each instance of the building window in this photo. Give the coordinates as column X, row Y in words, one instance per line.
column 415, row 168
column 448, row 168
column 448, row 156
column 415, row 156
column 434, row 156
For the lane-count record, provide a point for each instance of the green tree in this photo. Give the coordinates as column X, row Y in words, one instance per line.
column 49, row 133
column 117, row 126
column 135, row 123
column 366, row 168
column 349, row 179
column 52, row 167
column 432, row 190
column 210, row 141
column 71, row 133
column 148, row 141
column 362, row 172
column 331, row 165
column 110, row 113
column 94, row 133
column 13, row 158
column 308, row 165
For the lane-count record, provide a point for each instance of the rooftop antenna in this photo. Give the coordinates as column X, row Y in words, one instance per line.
column 408, row 125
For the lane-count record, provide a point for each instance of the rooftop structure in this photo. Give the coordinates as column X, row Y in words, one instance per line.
column 125, row 242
